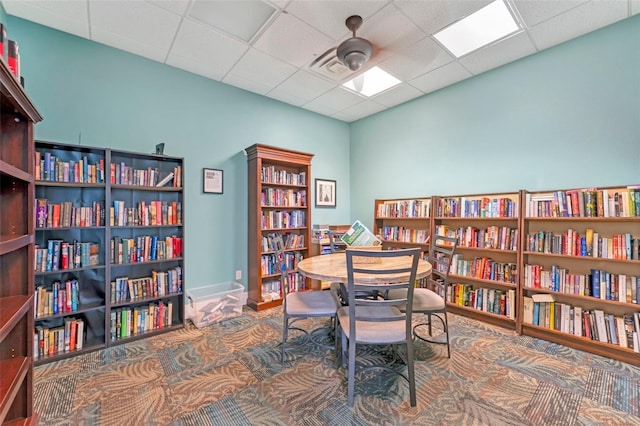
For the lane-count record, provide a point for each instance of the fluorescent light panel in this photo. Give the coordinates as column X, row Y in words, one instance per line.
column 372, row 82
column 479, row 29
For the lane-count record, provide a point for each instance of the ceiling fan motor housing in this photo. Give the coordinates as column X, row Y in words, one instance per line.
column 354, row 52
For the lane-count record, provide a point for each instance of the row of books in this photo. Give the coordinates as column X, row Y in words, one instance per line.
column 599, row 284
column 271, row 174
column 572, row 243
column 145, row 248
column 404, row 209
column 269, row 263
column 283, row 197
column 484, row 268
column 61, row 298
column 588, row 202
column 60, row 255
column 65, row 215
column 405, row 235
column 593, row 324
column 499, row 302
column 483, row 207
column 271, row 290
column 131, row 321
column 50, row 168
column 290, row 241
column 147, row 213
column 283, row 219
column 48, row 341
column 492, row 237
column 159, row 284
column 123, row 174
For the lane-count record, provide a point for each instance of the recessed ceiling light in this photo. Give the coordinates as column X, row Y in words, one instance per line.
column 372, row 82
column 481, row 28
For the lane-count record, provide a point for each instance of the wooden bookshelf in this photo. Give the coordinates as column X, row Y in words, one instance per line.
column 569, row 237
column 109, row 246
column 279, row 195
column 17, row 117
column 483, row 282
column 403, row 223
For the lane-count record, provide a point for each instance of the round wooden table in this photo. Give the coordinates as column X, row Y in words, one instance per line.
column 333, row 267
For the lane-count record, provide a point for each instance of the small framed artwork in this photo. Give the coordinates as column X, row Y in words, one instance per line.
column 325, row 193
column 212, row 181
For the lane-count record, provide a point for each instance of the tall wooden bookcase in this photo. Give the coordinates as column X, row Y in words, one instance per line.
column 109, row 238
column 17, row 116
column 279, row 196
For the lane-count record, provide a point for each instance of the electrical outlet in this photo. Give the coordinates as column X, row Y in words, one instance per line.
column 238, row 275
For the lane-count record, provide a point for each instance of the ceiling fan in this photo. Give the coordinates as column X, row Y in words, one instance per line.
column 353, row 52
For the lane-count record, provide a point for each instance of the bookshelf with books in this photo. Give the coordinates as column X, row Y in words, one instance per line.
column 17, row 118
column 109, row 240
column 581, row 269
column 278, row 203
column 484, row 273
column 403, row 223
column 323, row 237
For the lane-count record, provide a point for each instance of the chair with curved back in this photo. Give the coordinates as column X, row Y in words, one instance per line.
column 379, row 321
column 299, row 305
column 432, row 300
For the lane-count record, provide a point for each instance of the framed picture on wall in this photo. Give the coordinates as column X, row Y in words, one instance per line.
column 325, row 193
column 212, row 181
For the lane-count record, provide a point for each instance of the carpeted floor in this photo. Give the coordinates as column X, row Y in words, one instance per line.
column 230, row 374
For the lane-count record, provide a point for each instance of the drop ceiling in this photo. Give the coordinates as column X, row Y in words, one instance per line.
column 268, row 47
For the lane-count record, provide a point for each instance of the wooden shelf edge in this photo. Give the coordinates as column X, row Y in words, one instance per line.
column 63, row 355
column 261, row 306
column 487, row 317
column 10, row 170
column 12, row 310
column 9, row 244
column 16, row 94
column 146, row 334
column 453, row 277
column 14, row 370
column 28, row 421
column 583, row 298
column 582, row 343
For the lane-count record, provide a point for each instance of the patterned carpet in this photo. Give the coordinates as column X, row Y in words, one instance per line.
column 230, row 374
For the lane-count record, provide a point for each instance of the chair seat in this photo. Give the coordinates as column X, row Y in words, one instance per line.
column 374, row 332
column 312, row 303
column 423, row 299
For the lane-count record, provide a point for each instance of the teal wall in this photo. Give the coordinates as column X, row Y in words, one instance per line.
column 99, row 96
column 566, row 117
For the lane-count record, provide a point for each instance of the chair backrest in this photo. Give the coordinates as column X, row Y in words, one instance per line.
column 440, row 256
column 400, row 262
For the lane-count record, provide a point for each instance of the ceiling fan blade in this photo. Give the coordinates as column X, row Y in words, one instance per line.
column 326, row 54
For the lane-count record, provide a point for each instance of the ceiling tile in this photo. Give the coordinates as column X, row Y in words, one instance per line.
column 390, row 31
column 239, row 19
column 500, row 53
column 344, row 116
column 246, row 84
column 578, row 21
column 443, row 76
column 535, row 12
column 293, row 41
column 300, row 88
column 330, row 16
column 433, row 15
column 401, row 93
column 421, row 57
column 70, row 17
column 363, row 109
column 141, row 22
column 333, row 101
column 178, row 7
column 204, row 51
column 272, row 71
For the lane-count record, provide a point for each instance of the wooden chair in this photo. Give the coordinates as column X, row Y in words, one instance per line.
column 368, row 321
column 431, row 301
column 298, row 305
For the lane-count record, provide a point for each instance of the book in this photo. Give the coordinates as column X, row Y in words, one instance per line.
column 527, row 310
column 359, row 235
column 165, row 180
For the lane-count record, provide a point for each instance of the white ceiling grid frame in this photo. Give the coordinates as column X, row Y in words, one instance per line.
column 446, row 75
column 135, row 26
column 578, row 21
column 278, row 42
column 362, row 109
column 271, row 71
column 433, row 15
column 70, row 17
column 401, row 93
column 496, row 54
column 300, row 88
column 204, row 51
column 334, row 101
